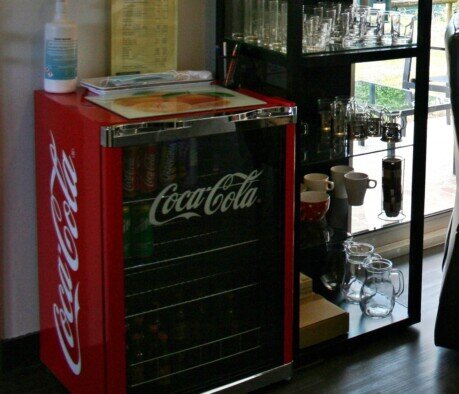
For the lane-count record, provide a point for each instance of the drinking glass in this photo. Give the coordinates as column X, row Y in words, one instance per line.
column 312, row 24
column 402, row 28
column 316, row 38
column 264, row 32
column 351, row 11
column 283, row 26
column 360, row 21
column 358, row 123
column 235, row 19
column 308, row 11
column 324, row 107
column 332, row 271
column 326, row 27
column 373, row 26
column 338, row 9
column 318, row 11
column 374, row 121
column 391, row 132
column 341, row 111
column 341, row 27
column 251, row 22
column 387, row 26
column 315, row 42
column 331, row 14
column 357, row 26
column 392, row 127
column 274, row 25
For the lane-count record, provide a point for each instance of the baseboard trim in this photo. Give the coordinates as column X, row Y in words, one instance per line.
column 18, row 353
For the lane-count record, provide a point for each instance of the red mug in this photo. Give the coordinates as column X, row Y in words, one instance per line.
column 314, row 205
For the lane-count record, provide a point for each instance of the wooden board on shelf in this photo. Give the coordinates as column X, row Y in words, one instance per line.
column 305, row 286
column 320, row 320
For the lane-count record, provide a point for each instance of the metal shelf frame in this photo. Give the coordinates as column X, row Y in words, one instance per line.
column 299, row 86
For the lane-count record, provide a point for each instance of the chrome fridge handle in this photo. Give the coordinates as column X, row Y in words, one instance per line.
column 131, row 134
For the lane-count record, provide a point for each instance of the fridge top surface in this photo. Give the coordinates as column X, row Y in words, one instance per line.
column 168, row 100
column 80, row 103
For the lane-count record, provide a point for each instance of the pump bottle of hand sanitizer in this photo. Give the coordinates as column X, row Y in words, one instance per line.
column 61, row 51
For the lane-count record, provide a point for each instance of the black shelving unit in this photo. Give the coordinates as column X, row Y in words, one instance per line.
column 303, row 78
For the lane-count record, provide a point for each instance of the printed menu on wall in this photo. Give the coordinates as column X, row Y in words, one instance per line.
column 143, row 36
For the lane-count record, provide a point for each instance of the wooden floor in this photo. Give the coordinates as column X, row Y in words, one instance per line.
column 407, row 362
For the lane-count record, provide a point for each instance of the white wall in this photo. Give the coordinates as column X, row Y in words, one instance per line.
column 21, row 58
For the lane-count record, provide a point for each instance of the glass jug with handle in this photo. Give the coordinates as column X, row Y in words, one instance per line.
column 378, row 293
column 354, row 273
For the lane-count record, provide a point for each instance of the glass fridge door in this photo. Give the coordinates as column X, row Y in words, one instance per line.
column 204, row 256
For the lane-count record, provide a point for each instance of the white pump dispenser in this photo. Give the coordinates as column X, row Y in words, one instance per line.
column 61, row 50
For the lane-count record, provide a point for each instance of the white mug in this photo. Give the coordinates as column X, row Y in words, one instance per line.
column 356, row 184
column 318, row 182
column 337, row 176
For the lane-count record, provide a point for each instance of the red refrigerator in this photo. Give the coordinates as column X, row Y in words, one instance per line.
column 165, row 245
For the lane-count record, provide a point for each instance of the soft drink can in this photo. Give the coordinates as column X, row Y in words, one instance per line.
column 127, row 239
column 192, row 163
column 168, row 162
column 148, row 160
column 131, row 171
column 182, row 158
column 142, row 231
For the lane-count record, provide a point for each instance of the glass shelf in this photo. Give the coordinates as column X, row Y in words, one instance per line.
column 358, row 55
column 333, row 53
column 315, row 237
column 344, row 220
column 326, row 148
column 360, row 46
column 360, row 324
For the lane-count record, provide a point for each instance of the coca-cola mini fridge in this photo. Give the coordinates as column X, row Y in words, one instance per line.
column 165, row 245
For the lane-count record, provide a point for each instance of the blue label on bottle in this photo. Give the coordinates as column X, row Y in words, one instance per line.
column 61, row 59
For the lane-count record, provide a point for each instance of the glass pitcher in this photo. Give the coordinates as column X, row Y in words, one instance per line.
column 354, row 273
column 378, row 294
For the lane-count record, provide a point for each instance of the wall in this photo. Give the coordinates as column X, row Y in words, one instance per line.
column 21, row 57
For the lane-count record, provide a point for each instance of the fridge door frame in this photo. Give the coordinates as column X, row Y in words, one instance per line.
column 114, row 308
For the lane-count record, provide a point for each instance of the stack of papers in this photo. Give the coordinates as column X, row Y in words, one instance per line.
column 124, row 84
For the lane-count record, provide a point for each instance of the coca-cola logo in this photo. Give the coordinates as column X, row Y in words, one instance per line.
column 233, row 191
column 64, row 208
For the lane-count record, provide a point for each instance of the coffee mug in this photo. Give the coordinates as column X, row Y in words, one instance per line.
column 314, row 205
column 318, row 182
column 337, row 176
column 356, row 184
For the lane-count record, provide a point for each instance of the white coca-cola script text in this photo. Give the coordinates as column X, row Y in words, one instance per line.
column 64, row 208
column 232, row 191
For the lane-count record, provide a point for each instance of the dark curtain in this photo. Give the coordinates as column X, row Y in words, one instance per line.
column 447, row 323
